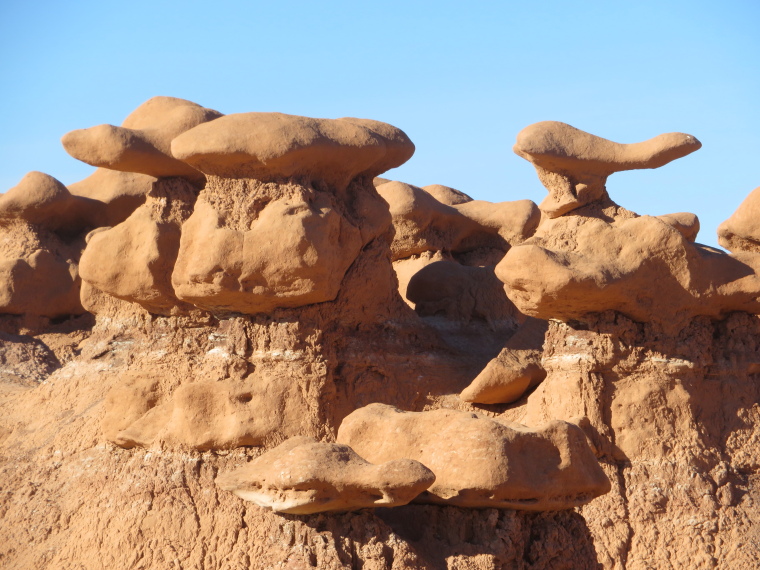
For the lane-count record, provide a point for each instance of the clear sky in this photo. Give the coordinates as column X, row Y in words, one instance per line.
column 462, row 79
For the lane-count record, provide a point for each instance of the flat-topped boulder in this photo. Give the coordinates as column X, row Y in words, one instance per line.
column 271, row 146
column 142, row 143
column 574, row 165
column 479, row 461
column 303, row 476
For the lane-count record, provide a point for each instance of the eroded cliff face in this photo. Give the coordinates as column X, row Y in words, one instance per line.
column 258, row 297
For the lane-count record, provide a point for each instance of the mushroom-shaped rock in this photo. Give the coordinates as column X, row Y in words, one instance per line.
column 574, row 165
column 422, row 223
column 741, row 232
column 42, row 200
column 479, row 461
column 115, row 194
column 271, row 146
column 516, row 369
column 142, row 143
column 303, row 476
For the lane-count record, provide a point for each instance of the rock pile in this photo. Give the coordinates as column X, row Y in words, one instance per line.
column 238, row 307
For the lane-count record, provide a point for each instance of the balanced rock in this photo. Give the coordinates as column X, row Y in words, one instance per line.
column 741, row 232
column 516, row 369
column 574, row 165
column 142, row 143
column 270, row 146
column 302, row 476
column 479, row 461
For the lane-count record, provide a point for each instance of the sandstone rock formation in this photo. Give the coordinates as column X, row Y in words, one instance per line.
column 142, row 142
column 741, row 232
column 479, row 461
column 574, row 165
column 243, row 279
column 516, row 369
column 302, row 476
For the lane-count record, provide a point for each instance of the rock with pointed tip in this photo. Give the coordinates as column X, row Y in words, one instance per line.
column 143, row 142
column 303, row 476
column 574, row 165
column 516, row 369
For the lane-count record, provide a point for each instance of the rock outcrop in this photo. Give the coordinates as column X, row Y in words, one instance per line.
column 248, row 280
column 481, row 462
column 302, row 476
column 574, row 165
column 741, row 232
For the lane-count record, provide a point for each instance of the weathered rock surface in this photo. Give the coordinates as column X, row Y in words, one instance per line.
column 603, row 257
column 228, row 260
column 574, row 165
column 133, row 261
column 516, row 369
column 303, row 476
column 741, row 232
column 143, row 142
column 482, row 462
column 115, row 195
column 423, row 223
column 668, row 401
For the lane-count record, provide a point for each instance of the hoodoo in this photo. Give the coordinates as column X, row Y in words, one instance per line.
column 234, row 345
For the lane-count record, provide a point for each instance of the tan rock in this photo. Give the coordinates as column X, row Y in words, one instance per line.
column 116, row 194
column 574, row 165
column 42, row 200
column 302, row 476
column 479, row 461
column 38, row 271
column 577, row 265
column 446, row 195
column 515, row 370
column 423, row 223
column 685, row 222
column 270, row 146
column 741, row 232
column 142, row 143
column 133, row 261
column 459, row 292
column 293, row 252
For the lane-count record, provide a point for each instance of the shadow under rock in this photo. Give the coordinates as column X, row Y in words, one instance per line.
column 440, row 538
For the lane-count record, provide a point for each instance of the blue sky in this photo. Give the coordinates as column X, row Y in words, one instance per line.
column 461, row 79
